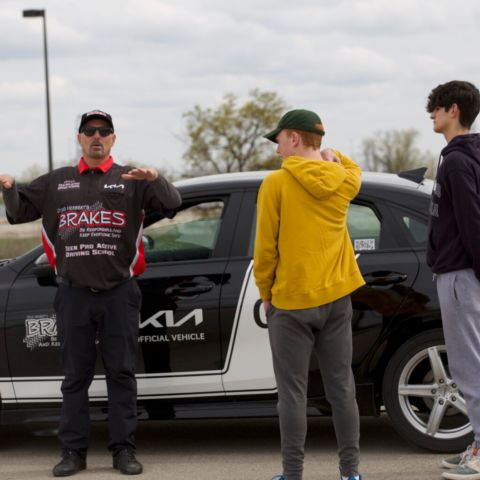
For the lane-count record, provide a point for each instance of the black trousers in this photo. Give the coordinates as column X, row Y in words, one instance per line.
column 112, row 317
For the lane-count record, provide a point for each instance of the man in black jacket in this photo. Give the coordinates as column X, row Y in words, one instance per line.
column 453, row 251
column 92, row 216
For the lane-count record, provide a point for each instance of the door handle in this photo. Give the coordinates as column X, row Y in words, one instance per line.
column 189, row 289
column 383, row 279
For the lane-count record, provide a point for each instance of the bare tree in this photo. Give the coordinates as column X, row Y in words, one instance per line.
column 395, row 151
column 32, row 172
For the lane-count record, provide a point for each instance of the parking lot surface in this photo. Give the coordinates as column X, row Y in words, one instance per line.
column 218, row 449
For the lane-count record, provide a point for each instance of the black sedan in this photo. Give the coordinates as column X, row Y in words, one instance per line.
column 203, row 343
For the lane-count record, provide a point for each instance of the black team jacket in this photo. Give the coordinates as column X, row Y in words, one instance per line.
column 92, row 220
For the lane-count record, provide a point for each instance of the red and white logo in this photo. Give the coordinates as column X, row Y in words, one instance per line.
column 91, row 218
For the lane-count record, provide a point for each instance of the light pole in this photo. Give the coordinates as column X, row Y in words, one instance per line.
column 43, row 14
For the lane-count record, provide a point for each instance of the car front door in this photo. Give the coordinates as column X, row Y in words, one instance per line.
column 180, row 352
column 32, row 346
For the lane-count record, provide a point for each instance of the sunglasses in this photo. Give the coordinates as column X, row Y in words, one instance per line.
column 103, row 131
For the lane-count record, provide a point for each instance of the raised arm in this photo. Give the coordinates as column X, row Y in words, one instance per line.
column 353, row 178
column 24, row 204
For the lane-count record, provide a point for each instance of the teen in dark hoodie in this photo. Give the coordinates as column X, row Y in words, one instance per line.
column 453, row 252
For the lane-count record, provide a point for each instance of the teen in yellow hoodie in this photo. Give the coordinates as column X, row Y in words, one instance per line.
column 305, row 269
column 304, row 256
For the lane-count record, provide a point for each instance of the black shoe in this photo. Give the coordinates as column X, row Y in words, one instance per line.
column 125, row 461
column 71, row 463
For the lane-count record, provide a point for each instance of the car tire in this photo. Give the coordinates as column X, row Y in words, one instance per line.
column 420, row 397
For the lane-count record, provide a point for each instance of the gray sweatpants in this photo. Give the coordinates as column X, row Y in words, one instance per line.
column 459, row 294
column 294, row 335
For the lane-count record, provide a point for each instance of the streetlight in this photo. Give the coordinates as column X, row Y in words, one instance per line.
column 42, row 13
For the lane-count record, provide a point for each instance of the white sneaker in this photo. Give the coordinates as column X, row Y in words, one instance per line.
column 459, row 459
column 470, row 470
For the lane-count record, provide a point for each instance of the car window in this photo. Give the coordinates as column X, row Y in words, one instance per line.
column 417, row 229
column 364, row 228
column 190, row 235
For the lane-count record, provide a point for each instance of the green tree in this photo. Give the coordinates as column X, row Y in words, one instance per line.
column 395, row 151
column 229, row 137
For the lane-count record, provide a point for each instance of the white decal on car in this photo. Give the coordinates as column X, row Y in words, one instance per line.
column 40, row 331
column 169, row 319
column 362, row 244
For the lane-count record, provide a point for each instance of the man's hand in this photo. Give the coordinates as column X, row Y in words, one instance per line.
column 149, row 174
column 6, row 181
column 266, row 305
column 329, row 155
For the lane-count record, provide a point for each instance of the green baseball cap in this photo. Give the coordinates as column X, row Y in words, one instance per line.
column 303, row 120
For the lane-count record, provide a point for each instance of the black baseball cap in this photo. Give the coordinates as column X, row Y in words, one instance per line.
column 303, row 120
column 95, row 115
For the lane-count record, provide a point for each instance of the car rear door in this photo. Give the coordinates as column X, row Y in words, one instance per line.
column 388, row 265
column 389, row 269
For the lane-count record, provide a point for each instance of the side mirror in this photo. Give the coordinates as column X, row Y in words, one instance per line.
column 44, row 272
column 148, row 242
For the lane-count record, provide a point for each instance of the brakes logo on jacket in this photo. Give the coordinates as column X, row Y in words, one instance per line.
column 92, row 220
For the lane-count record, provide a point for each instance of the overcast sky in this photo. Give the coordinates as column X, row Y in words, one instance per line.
column 363, row 65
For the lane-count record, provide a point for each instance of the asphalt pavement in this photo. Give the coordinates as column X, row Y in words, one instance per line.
column 218, row 450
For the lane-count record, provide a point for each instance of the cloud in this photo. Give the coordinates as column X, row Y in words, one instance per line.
column 15, row 91
column 364, row 64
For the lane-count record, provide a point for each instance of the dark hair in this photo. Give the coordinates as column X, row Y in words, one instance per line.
column 464, row 94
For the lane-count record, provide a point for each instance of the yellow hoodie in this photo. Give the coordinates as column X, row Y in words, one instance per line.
column 303, row 254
